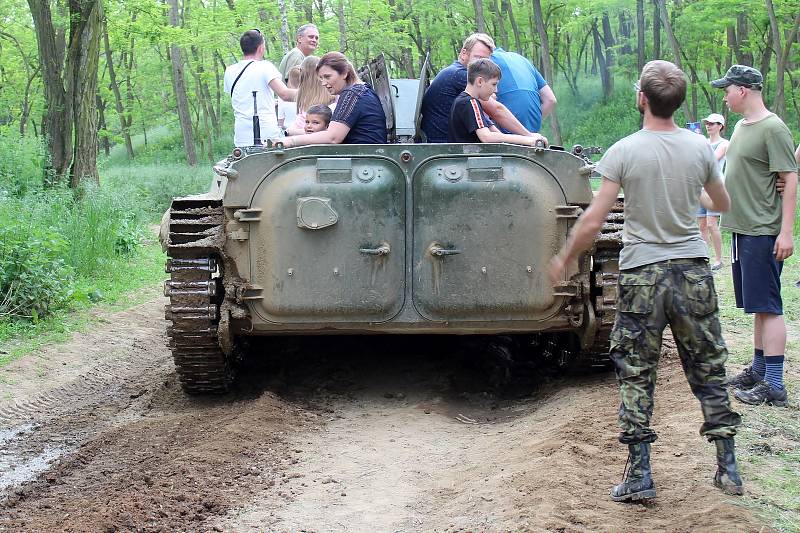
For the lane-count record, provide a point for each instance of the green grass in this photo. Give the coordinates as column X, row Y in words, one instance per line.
column 769, row 439
column 125, row 283
column 64, row 254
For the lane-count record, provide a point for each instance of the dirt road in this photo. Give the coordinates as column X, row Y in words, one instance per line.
column 354, row 435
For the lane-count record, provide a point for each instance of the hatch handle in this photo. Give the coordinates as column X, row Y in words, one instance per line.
column 438, row 251
column 381, row 250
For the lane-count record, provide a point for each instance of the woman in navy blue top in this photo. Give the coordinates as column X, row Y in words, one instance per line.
column 358, row 117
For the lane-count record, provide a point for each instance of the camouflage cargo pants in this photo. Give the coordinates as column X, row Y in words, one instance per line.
column 679, row 293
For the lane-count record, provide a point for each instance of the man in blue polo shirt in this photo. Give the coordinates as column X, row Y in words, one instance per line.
column 450, row 82
column 522, row 89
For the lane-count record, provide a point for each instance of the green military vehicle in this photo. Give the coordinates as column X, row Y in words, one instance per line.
column 402, row 238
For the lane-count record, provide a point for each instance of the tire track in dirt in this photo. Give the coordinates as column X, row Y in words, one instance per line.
column 365, row 434
column 406, row 449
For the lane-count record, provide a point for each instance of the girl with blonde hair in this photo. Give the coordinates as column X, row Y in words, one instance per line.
column 310, row 92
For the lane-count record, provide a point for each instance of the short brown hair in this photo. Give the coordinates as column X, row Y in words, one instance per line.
column 664, row 85
column 338, row 62
column 475, row 38
column 484, row 68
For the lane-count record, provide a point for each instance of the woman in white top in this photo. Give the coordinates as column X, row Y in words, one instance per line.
column 708, row 221
column 310, row 92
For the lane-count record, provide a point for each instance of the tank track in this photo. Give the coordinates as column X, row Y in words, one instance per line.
column 195, row 294
column 604, row 277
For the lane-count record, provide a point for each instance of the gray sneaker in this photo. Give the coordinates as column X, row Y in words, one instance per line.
column 716, row 266
column 763, row 393
column 744, row 380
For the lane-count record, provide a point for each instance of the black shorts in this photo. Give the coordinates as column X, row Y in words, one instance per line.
column 756, row 274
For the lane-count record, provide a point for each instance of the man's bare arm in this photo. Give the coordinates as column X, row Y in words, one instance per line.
column 715, row 197
column 501, row 114
column 280, row 88
column 784, row 244
column 585, row 230
column 548, row 100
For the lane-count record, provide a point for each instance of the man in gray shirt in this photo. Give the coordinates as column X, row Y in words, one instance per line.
column 664, row 275
column 307, row 38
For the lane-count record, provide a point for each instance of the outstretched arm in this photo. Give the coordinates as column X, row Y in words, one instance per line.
column 585, row 230
column 335, row 134
column 492, row 135
column 280, row 88
column 503, row 116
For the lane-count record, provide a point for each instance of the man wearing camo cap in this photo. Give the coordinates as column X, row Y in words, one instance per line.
column 760, row 153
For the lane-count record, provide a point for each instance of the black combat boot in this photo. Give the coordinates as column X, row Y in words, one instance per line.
column 727, row 477
column 638, row 483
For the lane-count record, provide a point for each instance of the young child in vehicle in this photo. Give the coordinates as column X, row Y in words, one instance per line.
column 468, row 121
column 287, row 111
column 317, row 118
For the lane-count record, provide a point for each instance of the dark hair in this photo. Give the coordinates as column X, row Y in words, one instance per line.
column 664, row 85
column 250, row 41
column 484, row 68
column 321, row 110
column 338, row 62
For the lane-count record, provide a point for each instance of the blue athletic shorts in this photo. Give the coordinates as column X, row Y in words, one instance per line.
column 703, row 213
column 756, row 274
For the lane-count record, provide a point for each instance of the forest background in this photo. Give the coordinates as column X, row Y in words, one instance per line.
column 108, row 108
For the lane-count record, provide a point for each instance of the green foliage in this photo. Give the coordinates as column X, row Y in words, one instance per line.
column 34, row 278
column 21, row 163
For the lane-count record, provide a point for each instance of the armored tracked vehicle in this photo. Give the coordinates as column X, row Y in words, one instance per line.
column 383, row 239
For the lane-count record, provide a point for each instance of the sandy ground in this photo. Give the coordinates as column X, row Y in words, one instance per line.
column 371, row 434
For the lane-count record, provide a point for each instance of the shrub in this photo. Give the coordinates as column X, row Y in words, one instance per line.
column 21, row 164
column 34, row 280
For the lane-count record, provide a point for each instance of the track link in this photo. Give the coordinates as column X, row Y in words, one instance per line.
column 195, row 295
column 604, row 277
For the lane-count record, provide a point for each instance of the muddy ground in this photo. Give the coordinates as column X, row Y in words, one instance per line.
column 371, row 434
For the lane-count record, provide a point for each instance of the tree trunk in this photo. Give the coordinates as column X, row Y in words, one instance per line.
column 742, row 31
column 656, row 30
column 342, row 27
column 546, row 66
column 284, row 32
column 57, row 120
column 608, row 40
column 676, row 50
column 480, row 21
column 625, row 32
column 204, row 91
column 112, row 75
column 83, row 60
column 507, row 7
column 640, row 35
column 102, row 129
column 501, row 33
column 779, row 100
column 599, row 55
column 179, row 86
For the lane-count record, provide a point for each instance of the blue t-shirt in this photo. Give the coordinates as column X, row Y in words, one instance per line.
column 519, row 88
column 438, row 101
column 360, row 108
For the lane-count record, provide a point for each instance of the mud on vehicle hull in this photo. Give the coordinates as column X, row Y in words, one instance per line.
column 389, row 239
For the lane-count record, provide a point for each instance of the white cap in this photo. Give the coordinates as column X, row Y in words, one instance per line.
column 715, row 117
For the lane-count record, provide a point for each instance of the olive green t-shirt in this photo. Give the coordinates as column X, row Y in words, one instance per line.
column 757, row 152
column 662, row 174
column 293, row 57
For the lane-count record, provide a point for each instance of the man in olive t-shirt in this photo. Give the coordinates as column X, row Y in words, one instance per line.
column 761, row 221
